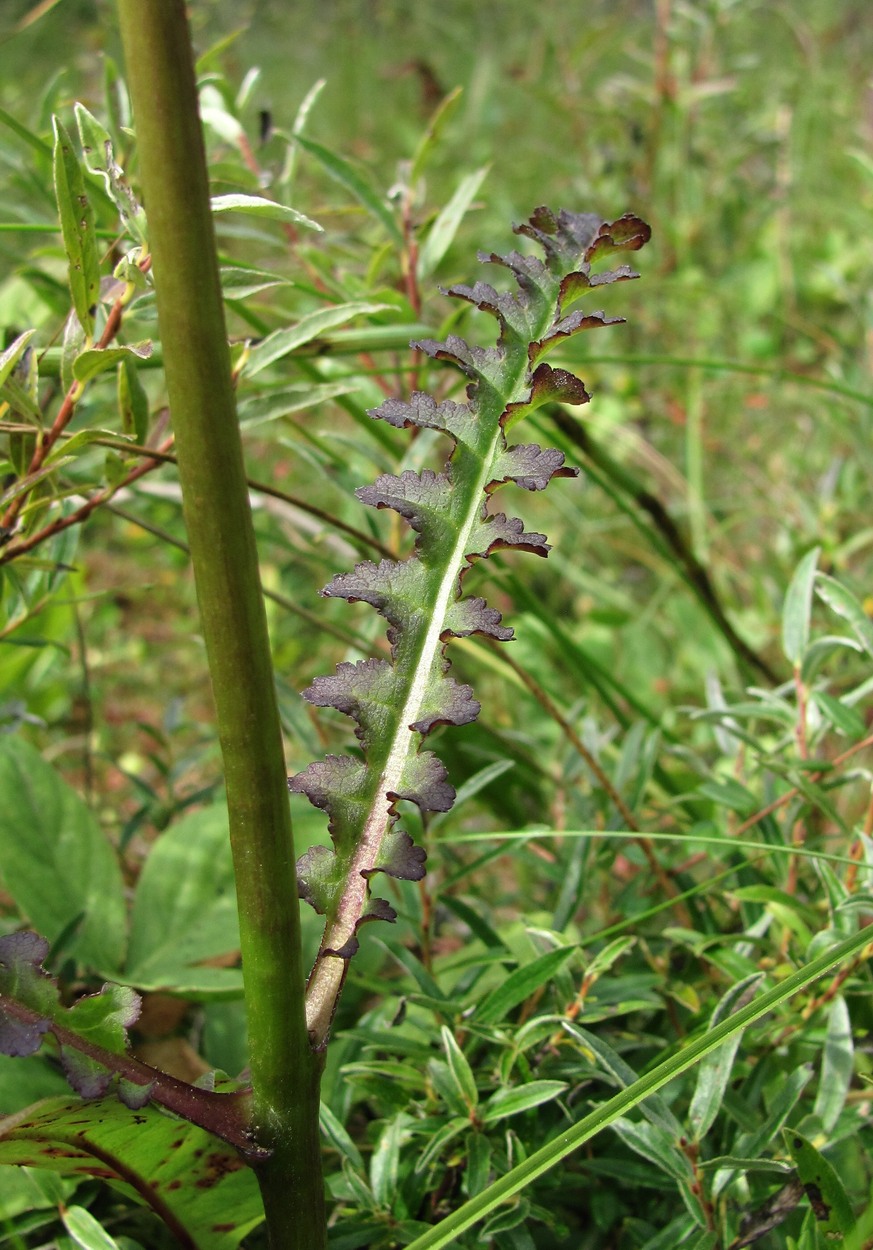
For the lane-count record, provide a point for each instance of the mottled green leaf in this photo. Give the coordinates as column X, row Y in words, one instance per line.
column 97, row 149
column 199, row 1187
column 77, row 228
column 824, row 1189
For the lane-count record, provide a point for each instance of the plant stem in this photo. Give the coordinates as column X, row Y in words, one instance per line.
column 285, row 1071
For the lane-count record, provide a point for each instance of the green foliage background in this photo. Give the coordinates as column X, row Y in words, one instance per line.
column 737, row 396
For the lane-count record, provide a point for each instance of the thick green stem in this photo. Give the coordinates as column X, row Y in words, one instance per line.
column 285, row 1072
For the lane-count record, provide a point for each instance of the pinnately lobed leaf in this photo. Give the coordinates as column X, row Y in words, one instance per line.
column 395, row 704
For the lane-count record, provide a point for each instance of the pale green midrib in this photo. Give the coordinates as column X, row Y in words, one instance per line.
column 341, row 927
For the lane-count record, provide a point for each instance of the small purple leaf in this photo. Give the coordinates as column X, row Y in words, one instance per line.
column 367, row 691
column 424, row 783
column 498, row 531
column 318, row 874
column 530, row 466
column 456, row 420
column 378, row 909
column 88, row 1078
column 476, row 362
column 626, row 234
column 473, row 616
column 399, row 857
column 451, row 703
column 337, row 785
column 135, row 1096
column 20, row 1037
column 564, row 328
column 423, row 499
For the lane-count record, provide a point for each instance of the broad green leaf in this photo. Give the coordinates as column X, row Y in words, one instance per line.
column 281, row 342
column 258, row 206
column 55, row 861
column 184, row 910
column 844, row 603
column 504, row 1103
column 715, row 1070
column 460, row 1069
column 99, row 158
column 520, row 984
column 98, row 359
column 797, row 607
column 525, row 1173
column 348, row 176
column 837, row 1064
column 445, row 225
column 85, row 1230
column 77, row 228
column 824, row 1189
column 201, row 1188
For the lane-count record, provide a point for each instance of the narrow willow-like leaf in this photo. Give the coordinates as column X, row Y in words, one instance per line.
column 97, row 150
column 844, row 603
column 824, row 1189
column 836, row 1066
column 715, row 1070
column 448, row 1230
column 396, row 704
column 77, row 227
column 797, row 607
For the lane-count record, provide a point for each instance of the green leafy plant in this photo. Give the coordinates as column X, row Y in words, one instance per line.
column 453, row 1109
